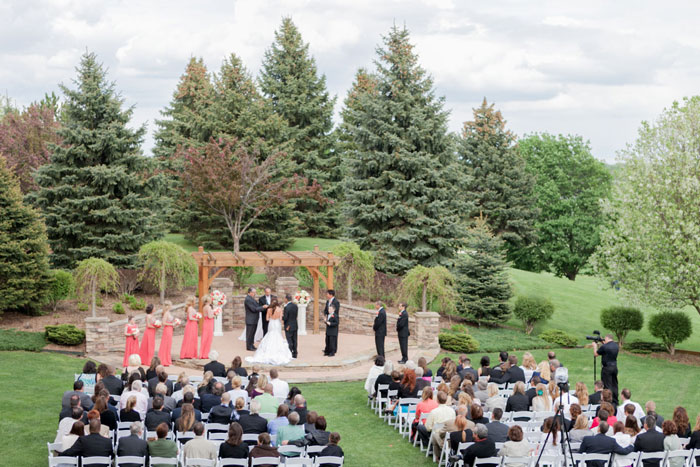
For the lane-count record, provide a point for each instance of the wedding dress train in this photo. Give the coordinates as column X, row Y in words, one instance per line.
column 273, row 350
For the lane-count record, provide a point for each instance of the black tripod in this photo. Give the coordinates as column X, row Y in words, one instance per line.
column 558, row 415
column 595, row 371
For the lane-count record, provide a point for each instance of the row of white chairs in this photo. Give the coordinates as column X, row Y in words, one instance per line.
column 192, row 462
column 635, row 459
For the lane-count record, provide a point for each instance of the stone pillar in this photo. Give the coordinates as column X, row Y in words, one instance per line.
column 237, row 312
column 96, row 335
column 286, row 285
column 427, row 330
column 225, row 285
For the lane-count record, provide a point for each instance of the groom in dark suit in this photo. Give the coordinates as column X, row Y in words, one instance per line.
column 264, row 302
column 403, row 332
column 332, row 321
column 252, row 315
column 289, row 318
column 379, row 328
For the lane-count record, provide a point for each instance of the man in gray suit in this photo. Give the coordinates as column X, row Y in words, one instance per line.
column 252, row 315
column 133, row 445
column 498, row 432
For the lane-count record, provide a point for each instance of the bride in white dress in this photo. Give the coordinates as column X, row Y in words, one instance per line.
column 273, row 350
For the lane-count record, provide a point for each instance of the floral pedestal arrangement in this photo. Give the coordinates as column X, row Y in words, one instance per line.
column 302, row 299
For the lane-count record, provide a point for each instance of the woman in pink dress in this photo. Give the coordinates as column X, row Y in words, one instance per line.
column 166, row 340
column 131, row 331
column 207, row 328
column 148, row 343
column 189, row 341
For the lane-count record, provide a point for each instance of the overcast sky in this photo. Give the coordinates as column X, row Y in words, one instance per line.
column 595, row 68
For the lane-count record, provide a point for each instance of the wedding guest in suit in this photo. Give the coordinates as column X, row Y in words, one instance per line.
column 157, row 416
column 332, row 450
column 596, row 397
column 379, row 328
column 133, row 445
column 403, row 332
column 289, row 318
column 85, row 400
column 253, row 423
column 512, row 375
column 332, row 319
column 160, row 377
column 252, row 315
column 212, row 400
column 649, row 441
column 199, row 447
column 604, row 444
column 217, row 368
column 265, row 301
column 113, row 384
column 169, row 403
column 91, row 445
column 482, row 447
column 162, row 447
column 234, row 447
column 221, row 413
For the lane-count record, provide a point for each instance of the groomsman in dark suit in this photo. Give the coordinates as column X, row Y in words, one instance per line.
column 264, row 302
column 289, row 318
column 379, row 328
column 252, row 315
column 403, row 332
column 332, row 319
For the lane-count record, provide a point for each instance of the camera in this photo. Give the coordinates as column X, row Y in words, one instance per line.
column 595, row 337
column 561, row 376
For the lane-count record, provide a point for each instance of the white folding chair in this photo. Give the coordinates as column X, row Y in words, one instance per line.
column 250, row 438
column 163, row 460
column 581, row 458
column 523, row 416
column 421, row 421
column 429, row 448
column 329, row 460
column 445, row 453
column 488, row 460
column 300, row 461
column 265, row 461
column 96, row 460
column 63, row 460
column 194, row 462
column 314, row 450
column 533, row 436
column 518, row 461
column 185, row 436
column 682, row 453
column 378, row 399
column 217, row 436
column 205, row 417
column 290, row 449
column 268, row 416
column 629, row 459
column 212, row 428
column 539, row 416
column 658, row 455
column 553, row 461
column 233, row 463
column 54, row 447
column 130, row 460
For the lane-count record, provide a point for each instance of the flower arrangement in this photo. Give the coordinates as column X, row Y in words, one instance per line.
column 218, row 298
column 177, row 322
column 302, row 297
column 217, row 311
column 197, row 316
column 158, row 323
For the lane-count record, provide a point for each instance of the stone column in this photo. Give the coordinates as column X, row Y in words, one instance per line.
column 285, row 285
column 427, row 330
column 224, row 322
column 96, row 335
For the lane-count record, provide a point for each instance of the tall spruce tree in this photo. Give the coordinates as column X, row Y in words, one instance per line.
column 402, row 182
column 497, row 181
column 24, row 249
column 97, row 193
column 289, row 78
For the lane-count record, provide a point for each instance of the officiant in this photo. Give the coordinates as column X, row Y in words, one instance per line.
column 332, row 320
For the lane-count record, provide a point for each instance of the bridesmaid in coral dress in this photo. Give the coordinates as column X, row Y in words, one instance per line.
column 189, row 341
column 148, row 343
column 166, row 340
column 207, row 328
column 131, row 331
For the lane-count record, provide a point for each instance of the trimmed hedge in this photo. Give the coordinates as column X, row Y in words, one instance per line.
column 672, row 327
column 621, row 320
column 118, row 308
column 65, row 334
column 458, row 342
column 532, row 310
column 644, row 347
column 11, row 339
column 559, row 337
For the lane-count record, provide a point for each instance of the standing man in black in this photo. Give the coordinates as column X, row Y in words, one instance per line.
column 264, row 302
column 608, row 372
column 379, row 328
column 289, row 318
column 403, row 332
column 332, row 319
column 252, row 315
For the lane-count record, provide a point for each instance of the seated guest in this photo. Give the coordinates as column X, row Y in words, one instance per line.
column 253, row 423
column 441, row 414
column 160, row 377
column 566, row 400
column 477, row 415
column 441, row 368
column 290, row 432
column 152, row 371
column 596, row 397
column 300, row 408
column 621, row 437
column 541, row 402
column 95, row 415
column 66, row 423
column 264, row 449
column 268, row 402
column 497, row 431
column 532, row 389
column 85, row 400
column 89, row 374
column 134, row 367
column 161, row 391
column 259, row 388
column 604, row 415
column 574, row 412
column 582, row 393
column 427, row 372
column 332, row 449
column 512, row 375
column 237, row 368
column 107, row 417
column 157, row 416
column 625, row 400
column 650, row 407
column 543, row 372
column 319, row 435
column 420, row 381
column 162, row 447
column 113, row 384
column 426, row 405
column 280, row 388
column 516, row 446
column 217, row 368
column 199, row 447
column 133, row 445
column 649, row 441
column 182, row 381
column 462, row 434
column 482, row 447
column 484, row 366
column 207, row 384
column 529, row 366
column 632, row 426
column 186, row 420
column 672, row 442
column 602, row 444
column 680, row 418
column 281, row 419
column 221, row 413
column 67, row 412
column 188, row 399
column 481, row 392
column 91, row 445
column 189, row 389
column 76, row 431
column 239, row 409
column 694, row 442
column 293, row 392
column 384, row 378
column 252, row 383
column 141, row 405
column 212, row 399
column 465, row 368
column 128, row 413
column 234, row 447
column 235, row 391
column 518, row 401
column 310, row 424
column 607, row 396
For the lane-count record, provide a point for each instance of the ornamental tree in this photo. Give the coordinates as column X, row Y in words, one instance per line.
column 355, row 265
column 166, row 264
column 227, row 179
column 93, row 275
column 672, row 327
column 621, row 320
column 532, row 310
column 430, row 288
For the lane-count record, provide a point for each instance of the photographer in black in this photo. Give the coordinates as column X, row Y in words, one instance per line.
column 608, row 373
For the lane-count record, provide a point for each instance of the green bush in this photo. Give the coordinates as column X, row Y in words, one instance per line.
column 21, row 340
column 621, row 320
column 644, row 347
column 532, row 310
column 241, row 275
column 457, row 342
column 126, row 298
column 65, row 334
column 672, row 327
column 62, row 286
column 99, row 301
column 118, row 308
column 83, row 306
column 559, row 337
column 138, row 304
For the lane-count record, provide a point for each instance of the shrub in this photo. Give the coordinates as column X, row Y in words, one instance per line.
column 621, row 320
column 93, row 275
column 559, row 337
column 99, row 301
column 21, row 340
column 456, row 342
column 241, row 275
column 532, row 310
column 137, row 304
column 672, row 327
column 83, row 306
column 644, row 347
column 128, row 299
column 62, row 286
column 65, row 334
column 166, row 265
column 118, row 308
column 129, row 280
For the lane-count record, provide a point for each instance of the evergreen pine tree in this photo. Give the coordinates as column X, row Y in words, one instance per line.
column 402, row 182
column 24, row 249
column 482, row 279
column 289, row 78
column 95, row 193
column 497, row 180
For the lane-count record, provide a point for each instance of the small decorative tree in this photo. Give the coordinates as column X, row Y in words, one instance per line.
column 434, row 286
column 62, row 285
column 532, row 310
column 355, row 264
column 93, row 275
column 621, row 320
column 672, row 327
column 166, row 264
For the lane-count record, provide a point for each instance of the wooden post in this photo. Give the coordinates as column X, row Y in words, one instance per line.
column 203, row 290
column 330, row 271
column 314, row 273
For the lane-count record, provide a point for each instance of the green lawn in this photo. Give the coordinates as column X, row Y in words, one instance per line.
column 578, row 304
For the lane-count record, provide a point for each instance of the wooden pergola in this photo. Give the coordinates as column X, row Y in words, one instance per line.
column 211, row 264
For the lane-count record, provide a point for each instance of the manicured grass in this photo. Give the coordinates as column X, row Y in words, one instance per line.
column 179, row 239
column 495, row 340
column 308, row 243
column 11, row 339
column 578, row 304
